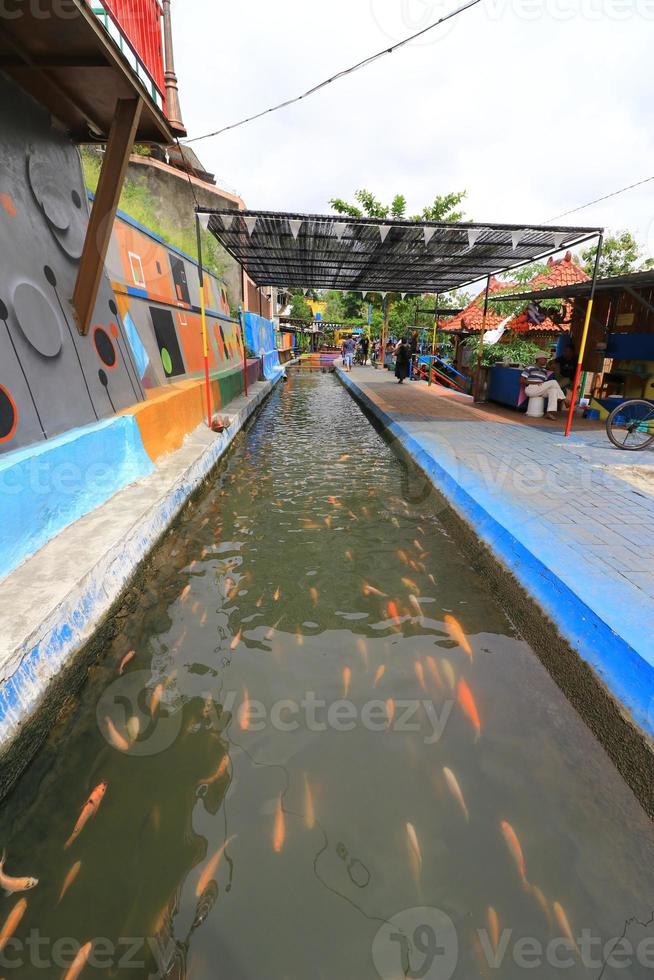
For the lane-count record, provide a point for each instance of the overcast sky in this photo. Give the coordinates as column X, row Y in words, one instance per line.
column 532, row 106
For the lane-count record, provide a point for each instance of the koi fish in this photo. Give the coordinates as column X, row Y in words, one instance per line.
column 89, row 810
column 417, row 545
column 299, row 638
column 185, row 593
column 328, row 521
column 236, row 640
column 410, row 584
column 348, row 555
column 344, row 458
column 564, row 925
column 420, row 674
column 155, row 699
column 126, row 659
column 468, row 706
column 244, row 712
column 203, row 618
column 116, row 739
column 195, row 607
column 209, row 871
column 276, row 594
column 371, row 590
column 347, row 676
column 11, row 885
column 448, row 670
column 402, row 555
column 363, row 650
column 455, row 630
column 431, row 579
column 313, row 592
column 78, row 964
column 279, row 830
column 390, row 711
column 455, row 790
column 69, row 879
column 309, row 811
column 219, row 773
column 334, row 501
column 12, row 921
column 392, row 611
column 379, row 674
column 133, row 727
column 434, row 671
column 493, row 927
column 543, row 903
column 414, row 845
column 416, row 605
column 515, row 850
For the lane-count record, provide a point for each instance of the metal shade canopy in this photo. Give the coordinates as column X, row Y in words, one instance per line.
column 630, row 281
column 375, row 255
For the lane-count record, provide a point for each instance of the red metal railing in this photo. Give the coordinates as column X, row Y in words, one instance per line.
column 140, row 21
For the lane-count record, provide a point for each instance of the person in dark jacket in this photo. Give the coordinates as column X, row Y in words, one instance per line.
column 402, row 358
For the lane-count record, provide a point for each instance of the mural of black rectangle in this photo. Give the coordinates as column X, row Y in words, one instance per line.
column 178, row 270
column 164, row 330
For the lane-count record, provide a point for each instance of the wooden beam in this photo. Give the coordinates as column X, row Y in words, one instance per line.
column 103, row 213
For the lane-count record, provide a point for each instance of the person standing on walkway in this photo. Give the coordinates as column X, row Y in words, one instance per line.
column 348, row 353
column 365, row 348
column 402, row 360
column 539, row 383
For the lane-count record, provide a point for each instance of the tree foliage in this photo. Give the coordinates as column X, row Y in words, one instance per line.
column 443, row 207
column 621, row 255
column 300, row 309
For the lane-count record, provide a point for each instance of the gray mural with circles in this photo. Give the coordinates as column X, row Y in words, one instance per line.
column 51, row 379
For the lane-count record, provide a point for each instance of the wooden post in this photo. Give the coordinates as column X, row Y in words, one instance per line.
column 584, row 337
column 478, row 384
column 103, row 213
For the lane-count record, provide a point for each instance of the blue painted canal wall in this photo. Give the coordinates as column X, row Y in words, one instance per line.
column 624, row 663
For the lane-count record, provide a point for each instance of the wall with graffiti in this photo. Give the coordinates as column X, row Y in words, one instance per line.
column 146, row 330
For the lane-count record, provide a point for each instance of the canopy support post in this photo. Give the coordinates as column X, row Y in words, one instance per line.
column 477, row 393
column 203, row 314
column 241, row 320
column 433, row 339
column 584, row 337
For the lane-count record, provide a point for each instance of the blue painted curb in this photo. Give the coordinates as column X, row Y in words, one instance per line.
column 628, row 676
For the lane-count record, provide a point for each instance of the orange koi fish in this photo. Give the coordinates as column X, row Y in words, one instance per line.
column 12, row 921
column 78, row 964
column 349, row 555
column 210, row 868
column 543, row 903
column 328, row 521
column 133, row 728
column 344, row 458
column 334, row 501
column 420, row 674
column 402, row 555
column 276, row 594
column 410, row 584
column 195, row 607
column 390, row 711
column 493, row 925
column 236, row 640
column 203, row 618
column 11, row 885
column 116, row 739
column 455, row 630
column 431, row 579
column 89, row 810
column 126, row 659
column 379, row 674
column 69, row 879
column 455, row 790
column 416, row 605
column 185, row 593
column 219, row 773
column 279, row 830
column 309, row 810
column 299, row 638
column 155, row 699
column 417, row 545
column 244, row 712
column 414, row 845
column 434, row 671
column 392, row 611
column 468, row 706
column 347, row 677
column 313, row 592
column 515, row 850
column 448, row 670
column 363, row 650
column 564, row 925
column 371, row 590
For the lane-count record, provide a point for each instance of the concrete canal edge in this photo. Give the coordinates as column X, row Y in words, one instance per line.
column 59, row 606
column 600, row 674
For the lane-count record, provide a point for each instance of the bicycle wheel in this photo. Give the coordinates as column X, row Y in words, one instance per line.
column 631, row 425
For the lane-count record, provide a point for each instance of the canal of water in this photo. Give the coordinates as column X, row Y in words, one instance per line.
column 318, row 749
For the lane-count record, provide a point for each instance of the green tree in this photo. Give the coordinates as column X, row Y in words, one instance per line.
column 300, row 309
column 442, row 209
column 621, row 255
column 334, row 312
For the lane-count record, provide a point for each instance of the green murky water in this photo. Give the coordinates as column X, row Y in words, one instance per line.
column 311, row 797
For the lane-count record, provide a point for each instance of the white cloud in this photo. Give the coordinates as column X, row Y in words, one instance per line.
column 533, row 107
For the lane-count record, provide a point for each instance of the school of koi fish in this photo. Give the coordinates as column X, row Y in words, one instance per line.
column 314, row 716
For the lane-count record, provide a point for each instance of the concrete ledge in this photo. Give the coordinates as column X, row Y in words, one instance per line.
column 54, row 602
column 626, row 672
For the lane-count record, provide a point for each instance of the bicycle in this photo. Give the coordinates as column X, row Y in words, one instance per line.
column 631, row 425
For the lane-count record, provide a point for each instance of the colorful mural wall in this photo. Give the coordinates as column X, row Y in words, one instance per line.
column 146, row 330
